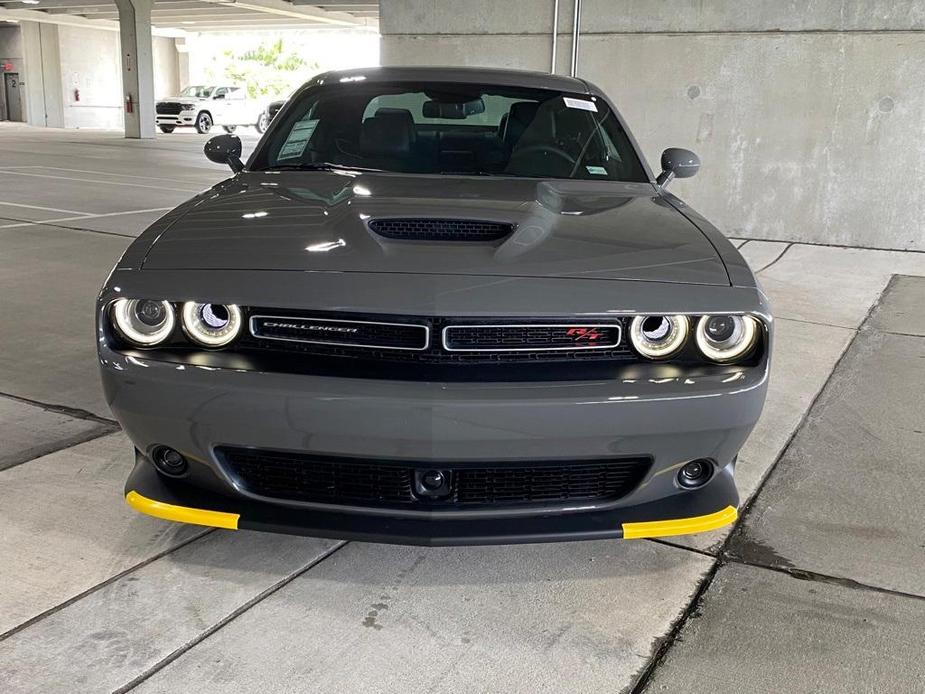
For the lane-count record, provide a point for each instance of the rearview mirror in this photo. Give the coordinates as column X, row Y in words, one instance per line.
column 456, row 110
column 225, row 149
column 677, row 163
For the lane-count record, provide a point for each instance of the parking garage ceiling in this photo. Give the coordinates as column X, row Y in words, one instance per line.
column 181, row 16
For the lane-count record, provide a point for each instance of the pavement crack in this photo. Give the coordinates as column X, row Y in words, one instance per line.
column 667, row 641
column 780, row 255
column 723, row 554
column 74, row 412
column 234, row 614
column 808, row 575
column 87, row 436
column 112, row 579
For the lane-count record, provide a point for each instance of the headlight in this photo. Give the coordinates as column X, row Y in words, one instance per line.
column 658, row 337
column 726, row 338
column 143, row 321
column 212, row 325
column 187, row 107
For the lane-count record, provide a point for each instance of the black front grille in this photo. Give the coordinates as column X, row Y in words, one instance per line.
column 168, row 108
column 388, row 483
column 348, row 333
column 440, row 229
column 482, row 343
column 527, row 337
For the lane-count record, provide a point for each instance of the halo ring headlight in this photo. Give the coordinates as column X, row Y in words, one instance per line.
column 724, row 338
column 211, row 325
column 143, row 322
column 659, row 337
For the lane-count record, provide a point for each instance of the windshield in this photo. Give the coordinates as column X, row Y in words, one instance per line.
column 198, row 92
column 452, row 128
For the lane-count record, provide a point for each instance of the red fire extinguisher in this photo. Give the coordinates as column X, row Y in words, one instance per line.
column 129, row 104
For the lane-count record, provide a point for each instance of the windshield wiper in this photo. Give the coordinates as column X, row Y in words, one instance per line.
column 318, row 166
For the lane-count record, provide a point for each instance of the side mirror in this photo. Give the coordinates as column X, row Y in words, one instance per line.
column 218, row 96
column 225, row 149
column 677, row 163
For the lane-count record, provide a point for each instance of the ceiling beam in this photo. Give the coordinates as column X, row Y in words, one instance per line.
column 74, row 21
column 286, row 9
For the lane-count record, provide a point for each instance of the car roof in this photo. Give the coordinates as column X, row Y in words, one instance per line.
column 465, row 75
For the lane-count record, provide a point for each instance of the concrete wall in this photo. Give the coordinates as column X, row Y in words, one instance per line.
column 809, row 116
column 61, row 59
column 166, row 67
column 90, row 65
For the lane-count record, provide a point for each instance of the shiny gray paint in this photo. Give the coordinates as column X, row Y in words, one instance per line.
column 585, row 249
column 563, row 228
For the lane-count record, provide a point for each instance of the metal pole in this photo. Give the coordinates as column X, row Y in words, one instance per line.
column 576, row 35
column 555, row 35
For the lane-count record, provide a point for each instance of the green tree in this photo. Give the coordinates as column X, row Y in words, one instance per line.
column 268, row 70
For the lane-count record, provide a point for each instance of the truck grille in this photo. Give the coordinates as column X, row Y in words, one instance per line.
column 168, row 108
column 360, row 482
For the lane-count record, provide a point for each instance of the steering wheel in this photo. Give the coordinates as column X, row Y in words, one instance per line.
column 543, row 149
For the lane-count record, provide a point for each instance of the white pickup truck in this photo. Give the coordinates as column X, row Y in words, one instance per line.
column 203, row 107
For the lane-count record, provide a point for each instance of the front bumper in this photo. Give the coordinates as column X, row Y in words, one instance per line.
column 712, row 507
column 183, row 119
column 642, row 411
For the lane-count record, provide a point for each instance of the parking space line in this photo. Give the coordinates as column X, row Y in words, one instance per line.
column 40, row 207
column 109, row 183
column 82, row 217
column 99, row 173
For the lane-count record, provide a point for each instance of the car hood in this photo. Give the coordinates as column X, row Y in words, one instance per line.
column 319, row 221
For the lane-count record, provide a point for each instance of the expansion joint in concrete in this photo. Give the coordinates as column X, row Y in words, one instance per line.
column 228, row 619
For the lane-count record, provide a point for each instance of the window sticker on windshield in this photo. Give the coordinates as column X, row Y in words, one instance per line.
column 580, row 103
column 597, row 170
column 295, row 144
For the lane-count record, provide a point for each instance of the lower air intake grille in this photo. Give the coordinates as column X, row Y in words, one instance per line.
column 440, row 229
column 360, row 482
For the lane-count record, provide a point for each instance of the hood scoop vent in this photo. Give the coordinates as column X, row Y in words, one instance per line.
column 418, row 229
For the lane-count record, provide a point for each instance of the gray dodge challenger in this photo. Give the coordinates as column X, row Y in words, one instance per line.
column 437, row 306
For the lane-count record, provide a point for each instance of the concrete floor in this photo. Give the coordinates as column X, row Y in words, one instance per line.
column 819, row 586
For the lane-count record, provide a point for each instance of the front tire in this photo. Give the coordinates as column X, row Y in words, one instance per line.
column 167, row 128
column 203, row 123
column 262, row 123
column 230, row 128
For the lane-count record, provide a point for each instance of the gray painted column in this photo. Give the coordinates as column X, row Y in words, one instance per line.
column 137, row 67
column 44, row 93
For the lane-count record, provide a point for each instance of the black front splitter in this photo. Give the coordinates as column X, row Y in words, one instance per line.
column 688, row 511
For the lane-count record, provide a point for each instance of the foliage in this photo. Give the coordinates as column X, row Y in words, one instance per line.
column 267, row 71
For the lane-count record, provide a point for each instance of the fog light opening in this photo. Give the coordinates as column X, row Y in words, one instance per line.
column 169, row 462
column 695, row 474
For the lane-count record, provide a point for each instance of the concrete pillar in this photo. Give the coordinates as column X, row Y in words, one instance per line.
column 44, row 103
column 137, row 66
column 182, row 62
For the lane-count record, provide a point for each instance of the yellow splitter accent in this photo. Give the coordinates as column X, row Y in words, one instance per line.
column 680, row 526
column 182, row 514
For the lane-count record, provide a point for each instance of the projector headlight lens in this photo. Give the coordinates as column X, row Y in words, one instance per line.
column 211, row 325
column 143, row 322
column 726, row 338
column 659, row 337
